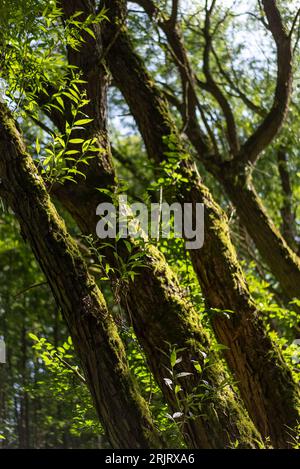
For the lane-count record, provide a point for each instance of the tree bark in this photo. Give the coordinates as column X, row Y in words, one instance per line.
column 288, row 215
column 283, row 262
column 122, row 411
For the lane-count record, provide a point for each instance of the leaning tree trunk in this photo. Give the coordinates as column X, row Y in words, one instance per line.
column 267, row 387
column 283, row 262
column 122, row 411
column 264, row 379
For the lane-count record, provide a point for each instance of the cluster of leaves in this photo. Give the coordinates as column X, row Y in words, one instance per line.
column 66, row 381
column 66, row 153
column 282, row 322
column 124, row 270
column 150, row 390
column 170, row 172
column 33, row 47
column 189, row 405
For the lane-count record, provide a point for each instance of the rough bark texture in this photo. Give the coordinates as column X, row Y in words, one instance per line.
column 288, row 215
column 266, row 384
column 168, row 318
column 122, row 411
column 281, row 259
column 268, row 390
column 161, row 315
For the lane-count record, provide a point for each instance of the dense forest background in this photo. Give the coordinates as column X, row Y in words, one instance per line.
column 135, row 343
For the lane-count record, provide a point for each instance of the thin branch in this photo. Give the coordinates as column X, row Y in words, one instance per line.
column 70, row 367
column 294, row 23
column 272, row 123
column 240, row 94
column 31, row 287
column 211, row 86
column 174, row 13
column 177, row 50
column 39, row 123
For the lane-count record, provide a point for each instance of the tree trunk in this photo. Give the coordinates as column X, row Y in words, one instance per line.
column 122, row 411
column 283, row 262
column 264, row 379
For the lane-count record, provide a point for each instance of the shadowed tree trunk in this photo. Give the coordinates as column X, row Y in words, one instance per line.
column 283, row 262
column 288, row 215
column 265, row 381
column 122, row 411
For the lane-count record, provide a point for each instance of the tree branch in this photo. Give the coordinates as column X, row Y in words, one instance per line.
column 211, row 86
column 240, row 94
column 188, row 80
column 174, row 13
column 272, row 123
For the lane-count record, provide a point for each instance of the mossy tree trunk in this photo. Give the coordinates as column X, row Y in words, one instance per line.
column 121, row 409
column 283, row 262
column 264, row 379
column 269, row 392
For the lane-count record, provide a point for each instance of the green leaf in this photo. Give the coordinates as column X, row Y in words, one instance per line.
column 198, row 367
column 61, row 141
column 60, row 101
column 177, row 415
column 76, row 140
column 183, row 374
column 177, row 388
column 173, row 358
column 37, row 145
column 77, row 13
column 82, row 121
column 71, row 152
column 90, row 32
column 128, row 245
column 33, row 337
